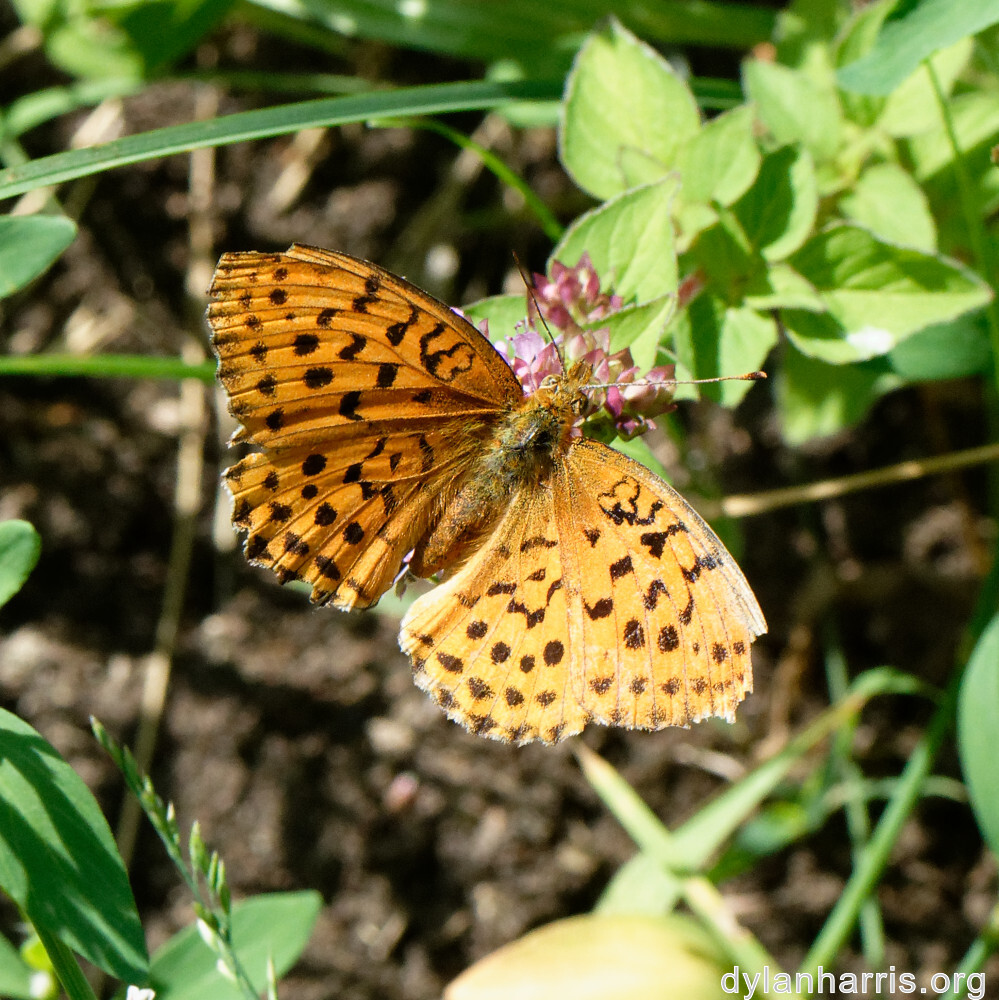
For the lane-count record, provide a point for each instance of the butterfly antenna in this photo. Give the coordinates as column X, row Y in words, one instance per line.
column 529, row 284
column 747, row 377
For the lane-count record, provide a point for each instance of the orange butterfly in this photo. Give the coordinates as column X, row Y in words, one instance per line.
column 578, row 587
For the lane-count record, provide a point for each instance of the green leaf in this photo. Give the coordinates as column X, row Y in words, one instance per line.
column 20, row 547
column 725, row 259
column 162, row 31
column 627, row 114
column 58, row 859
column 778, row 212
column 977, row 711
column 975, row 117
column 15, row 973
column 822, row 336
column 91, row 47
column 279, row 120
column 505, row 313
column 945, row 350
column 905, row 41
column 640, row 886
column 640, row 328
column 630, row 241
column 912, row 107
column 887, row 201
column 794, row 107
column 717, row 164
column 815, row 399
column 781, row 287
column 803, row 27
column 29, row 244
column 880, row 293
column 713, row 339
column 271, row 926
column 524, row 30
column 612, row 957
column 855, row 41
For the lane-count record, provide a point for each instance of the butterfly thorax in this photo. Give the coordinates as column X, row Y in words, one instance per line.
column 518, row 452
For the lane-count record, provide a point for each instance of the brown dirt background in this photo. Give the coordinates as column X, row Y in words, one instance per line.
column 295, row 736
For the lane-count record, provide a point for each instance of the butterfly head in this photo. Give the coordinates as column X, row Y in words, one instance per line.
column 565, row 393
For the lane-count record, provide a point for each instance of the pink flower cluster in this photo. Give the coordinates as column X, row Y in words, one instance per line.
column 621, row 403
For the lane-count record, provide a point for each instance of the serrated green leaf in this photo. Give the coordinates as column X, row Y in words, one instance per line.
column 822, row 336
column 881, row 293
column 976, row 124
column 640, row 329
column 503, row 313
column 912, row 107
column 906, row 40
column 815, row 399
column 58, row 859
column 29, row 244
column 20, row 547
column 856, row 40
column 945, row 350
column 712, row 339
column 275, row 925
column 630, row 241
column 627, row 114
column 977, row 711
column 778, row 212
column 795, row 108
column 887, row 201
column 717, row 164
column 781, row 287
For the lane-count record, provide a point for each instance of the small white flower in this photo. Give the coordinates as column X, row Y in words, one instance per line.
column 140, row 993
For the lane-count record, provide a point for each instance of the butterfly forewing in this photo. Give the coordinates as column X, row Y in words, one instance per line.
column 369, row 398
column 312, row 344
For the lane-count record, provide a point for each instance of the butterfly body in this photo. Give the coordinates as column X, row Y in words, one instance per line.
column 576, row 585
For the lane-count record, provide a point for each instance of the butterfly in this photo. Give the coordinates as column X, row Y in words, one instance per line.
column 575, row 585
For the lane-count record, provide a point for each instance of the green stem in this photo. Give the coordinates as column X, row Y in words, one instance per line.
column 506, row 175
column 858, row 822
column 872, row 862
column 66, row 967
column 982, row 949
column 106, row 366
column 972, row 213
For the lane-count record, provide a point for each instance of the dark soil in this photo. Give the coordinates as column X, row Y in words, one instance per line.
column 296, row 736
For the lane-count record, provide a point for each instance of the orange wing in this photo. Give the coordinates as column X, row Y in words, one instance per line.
column 491, row 643
column 367, row 395
column 659, row 612
column 599, row 596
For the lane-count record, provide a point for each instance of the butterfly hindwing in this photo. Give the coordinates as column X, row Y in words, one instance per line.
column 490, row 644
column 342, row 518
column 659, row 610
